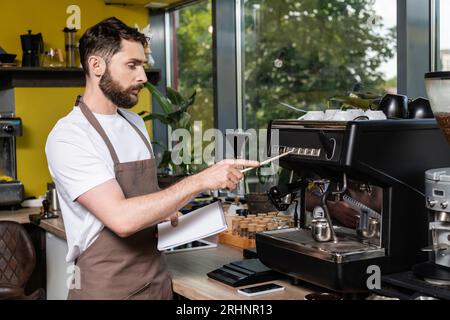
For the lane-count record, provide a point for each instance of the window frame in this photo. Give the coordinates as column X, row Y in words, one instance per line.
column 416, row 28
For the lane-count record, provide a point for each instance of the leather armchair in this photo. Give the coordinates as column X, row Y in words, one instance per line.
column 17, row 262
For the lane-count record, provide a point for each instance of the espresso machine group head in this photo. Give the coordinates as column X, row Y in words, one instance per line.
column 376, row 168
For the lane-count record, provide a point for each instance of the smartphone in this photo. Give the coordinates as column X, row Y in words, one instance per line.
column 261, row 289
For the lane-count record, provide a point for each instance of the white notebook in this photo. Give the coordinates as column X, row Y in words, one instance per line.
column 195, row 225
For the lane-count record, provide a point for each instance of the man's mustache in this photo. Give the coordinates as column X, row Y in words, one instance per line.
column 136, row 87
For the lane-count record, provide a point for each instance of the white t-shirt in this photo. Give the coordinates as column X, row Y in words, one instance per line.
column 79, row 160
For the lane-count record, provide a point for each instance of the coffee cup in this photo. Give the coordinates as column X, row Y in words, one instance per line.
column 395, row 106
column 420, row 109
column 343, row 116
column 375, row 115
column 330, row 114
column 356, row 113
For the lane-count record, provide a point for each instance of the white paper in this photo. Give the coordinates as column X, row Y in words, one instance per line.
column 195, row 225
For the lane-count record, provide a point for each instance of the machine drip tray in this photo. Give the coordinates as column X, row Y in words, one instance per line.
column 347, row 249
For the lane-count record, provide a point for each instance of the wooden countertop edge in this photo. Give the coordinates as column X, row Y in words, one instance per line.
column 189, row 269
column 189, row 276
column 53, row 226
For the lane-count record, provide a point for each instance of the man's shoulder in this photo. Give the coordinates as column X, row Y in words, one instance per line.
column 70, row 127
column 132, row 116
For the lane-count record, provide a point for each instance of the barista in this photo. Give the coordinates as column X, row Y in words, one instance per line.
column 102, row 163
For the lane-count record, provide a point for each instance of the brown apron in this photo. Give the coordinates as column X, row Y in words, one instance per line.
column 124, row 268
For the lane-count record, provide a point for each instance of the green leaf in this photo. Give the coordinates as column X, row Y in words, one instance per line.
column 166, row 159
column 162, row 118
column 365, row 104
column 185, row 120
column 175, row 97
column 189, row 102
column 165, row 104
column 366, row 95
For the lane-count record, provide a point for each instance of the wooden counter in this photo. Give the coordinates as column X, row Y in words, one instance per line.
column 19, row 216
column 54, row 226
column 189, row 271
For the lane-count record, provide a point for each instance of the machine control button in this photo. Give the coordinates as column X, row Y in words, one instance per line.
column 431, row 203
column 7, row 128
column 444, row 205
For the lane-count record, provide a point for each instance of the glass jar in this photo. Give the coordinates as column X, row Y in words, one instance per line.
column 262, row 226
column 271, row 226
column 252, row 231
column 235, row 225
column 243, row 229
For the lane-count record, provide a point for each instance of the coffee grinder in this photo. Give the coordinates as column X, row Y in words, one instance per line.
column 437, row 190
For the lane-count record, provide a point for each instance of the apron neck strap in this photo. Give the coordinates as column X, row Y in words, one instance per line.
column 97, row 126
column 139, row 132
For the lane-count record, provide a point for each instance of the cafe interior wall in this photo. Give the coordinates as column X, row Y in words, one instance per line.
column 40, row 108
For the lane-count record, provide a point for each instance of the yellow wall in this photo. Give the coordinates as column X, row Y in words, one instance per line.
column 40, row 108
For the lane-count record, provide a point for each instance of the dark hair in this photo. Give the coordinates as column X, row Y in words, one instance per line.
column 105, row 39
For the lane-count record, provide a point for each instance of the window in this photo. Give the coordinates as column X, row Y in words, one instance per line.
column 191, row 60
column 304, row 52
column 191, row 57
column 444, row 39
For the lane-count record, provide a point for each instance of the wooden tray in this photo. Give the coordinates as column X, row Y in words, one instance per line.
column 236, row 241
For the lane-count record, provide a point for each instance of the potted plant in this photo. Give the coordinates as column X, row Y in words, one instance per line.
column 175, row 107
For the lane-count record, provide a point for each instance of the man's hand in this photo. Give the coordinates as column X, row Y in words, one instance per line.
column 343, row 213
column 223, row 175
column 174, row 219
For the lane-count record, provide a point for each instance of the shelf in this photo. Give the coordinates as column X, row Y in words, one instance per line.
column 28, row 77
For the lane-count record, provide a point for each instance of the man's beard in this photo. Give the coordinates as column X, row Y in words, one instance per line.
column 116, row 94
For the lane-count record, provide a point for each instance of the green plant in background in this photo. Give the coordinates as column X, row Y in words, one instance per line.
column 331, row 47
column 176, row 115
column 358, row 99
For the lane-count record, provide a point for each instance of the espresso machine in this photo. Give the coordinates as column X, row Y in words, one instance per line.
column 374, row 167
column 11, row 190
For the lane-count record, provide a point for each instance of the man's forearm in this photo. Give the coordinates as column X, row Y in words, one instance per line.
column 142, row 212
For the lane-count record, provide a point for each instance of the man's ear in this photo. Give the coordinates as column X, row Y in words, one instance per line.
column 97, row 66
